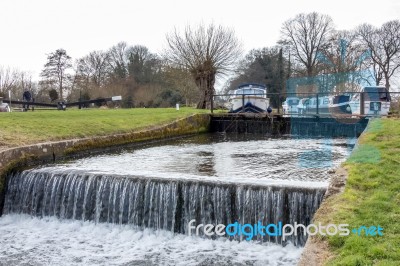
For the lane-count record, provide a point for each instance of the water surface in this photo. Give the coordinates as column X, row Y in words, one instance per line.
column 221, row 158
column 228, row 158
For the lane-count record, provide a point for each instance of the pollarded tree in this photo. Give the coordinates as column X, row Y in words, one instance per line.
column 206, row 52
column 55, row 70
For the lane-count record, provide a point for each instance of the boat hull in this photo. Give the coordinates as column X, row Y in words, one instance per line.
column 249, row 104
column 371, row 108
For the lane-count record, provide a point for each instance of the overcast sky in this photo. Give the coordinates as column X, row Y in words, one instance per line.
column 30, row 29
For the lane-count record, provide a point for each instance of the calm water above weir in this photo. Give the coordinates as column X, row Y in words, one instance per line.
column 251, row 159
column 133, row 207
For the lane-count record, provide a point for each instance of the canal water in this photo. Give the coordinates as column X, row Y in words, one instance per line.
column 133, row 207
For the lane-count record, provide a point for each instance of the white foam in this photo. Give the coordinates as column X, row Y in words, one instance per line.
column 49, row 241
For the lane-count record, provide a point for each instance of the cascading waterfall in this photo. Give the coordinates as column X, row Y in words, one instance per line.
column 158, row 203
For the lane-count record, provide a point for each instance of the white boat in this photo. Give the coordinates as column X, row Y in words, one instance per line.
column 249, row 97
column 333, row 104
column 302, row 106
column 376, row 101
column 289, row 106
column 323, row 105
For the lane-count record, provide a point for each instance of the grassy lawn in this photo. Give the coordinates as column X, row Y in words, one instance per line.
column 20, row 128
column 371, row 198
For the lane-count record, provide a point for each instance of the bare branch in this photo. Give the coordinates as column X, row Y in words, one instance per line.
column 305, row 35
column 205, row 52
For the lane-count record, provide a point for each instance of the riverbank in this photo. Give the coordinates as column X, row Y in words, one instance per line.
column 55, row 150
column 371, row 197
column 26, row 128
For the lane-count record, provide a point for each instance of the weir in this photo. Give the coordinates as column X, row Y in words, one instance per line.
column 263, row 179
column 159, row 203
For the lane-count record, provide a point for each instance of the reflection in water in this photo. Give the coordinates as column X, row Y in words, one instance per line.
column 206, row 163
column 228, row 158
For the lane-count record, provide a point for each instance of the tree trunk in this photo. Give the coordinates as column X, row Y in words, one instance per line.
column 61, row 90
column 205, row 82
column 61, row 94
column 387, row 84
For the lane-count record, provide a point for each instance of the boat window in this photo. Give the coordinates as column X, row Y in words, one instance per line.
column 244, row 91
column 293, row 101
column 384, row 96
column 250, row 92
column 325, row 101
column 340, row 99
column 258, row 92
column 376, row 94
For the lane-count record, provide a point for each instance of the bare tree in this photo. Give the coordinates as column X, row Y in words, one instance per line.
column 25, row 83
column 384, row 44
column 94, row 67
column 142, row 52
column 55, row 70
column 342, row 53
column 8, row 79
column 305, row 35
column 344, row 57
column 16, row 82
column 205, row 52
column 118, row 59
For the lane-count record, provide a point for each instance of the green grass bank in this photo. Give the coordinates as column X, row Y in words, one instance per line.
column 24, row 128
column 30, row 139
column 371, row 198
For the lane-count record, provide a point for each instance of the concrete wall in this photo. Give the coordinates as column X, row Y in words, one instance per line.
column 279, row 125
column 56, row 150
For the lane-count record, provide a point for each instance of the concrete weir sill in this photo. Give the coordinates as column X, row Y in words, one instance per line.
column 53, row 151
